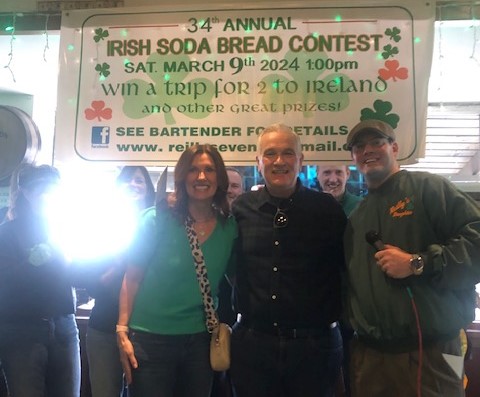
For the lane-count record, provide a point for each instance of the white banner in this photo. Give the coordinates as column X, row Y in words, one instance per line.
column 141, row 85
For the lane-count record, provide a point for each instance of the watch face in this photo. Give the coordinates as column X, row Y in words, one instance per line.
column 417, row 264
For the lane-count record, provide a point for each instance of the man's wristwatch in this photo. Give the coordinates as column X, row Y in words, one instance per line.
column 416, row 263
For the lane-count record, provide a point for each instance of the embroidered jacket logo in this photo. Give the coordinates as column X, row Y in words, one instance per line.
column 402, row 208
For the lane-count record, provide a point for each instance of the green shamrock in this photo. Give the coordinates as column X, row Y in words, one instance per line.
column 168, row 88
column 103, row 69
column 394, row 34
column 389, row 51
column 380, row 112
column 100, row 34
column 40, row 254
column 274, row 87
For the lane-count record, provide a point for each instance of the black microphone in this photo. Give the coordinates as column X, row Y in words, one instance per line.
column 374, row 239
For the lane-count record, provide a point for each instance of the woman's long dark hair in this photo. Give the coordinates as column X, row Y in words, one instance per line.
column 180, row 202
column 126, row 175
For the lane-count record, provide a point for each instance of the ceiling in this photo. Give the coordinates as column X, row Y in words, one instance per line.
column 30, row 14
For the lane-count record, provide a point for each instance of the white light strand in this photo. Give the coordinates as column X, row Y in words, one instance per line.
column 12, row 38
column 45, row 32
column 474, row 26
column 440, row 55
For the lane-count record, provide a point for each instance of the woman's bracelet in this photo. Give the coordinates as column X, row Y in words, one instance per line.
column 121, row 328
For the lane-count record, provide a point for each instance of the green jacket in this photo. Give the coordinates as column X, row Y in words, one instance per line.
column 349, row 202
column 419, row 213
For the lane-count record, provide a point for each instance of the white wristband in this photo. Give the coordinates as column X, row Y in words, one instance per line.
column 121, row 328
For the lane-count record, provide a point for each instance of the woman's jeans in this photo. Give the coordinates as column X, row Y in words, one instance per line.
column 105, row 369
column 41, row 358
column 171, row 365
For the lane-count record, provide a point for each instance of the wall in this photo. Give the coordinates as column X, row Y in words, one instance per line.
column 19, row 100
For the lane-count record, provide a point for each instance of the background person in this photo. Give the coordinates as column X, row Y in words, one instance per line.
column 222, row 385
column 39, row 344
column 225, row 309
column 103, row 280
column 333, row 179
column 408, row 301
column 235, row 184
column 289, row 265
column 168, row 350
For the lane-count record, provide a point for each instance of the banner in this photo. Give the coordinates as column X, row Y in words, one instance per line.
column 141, row 85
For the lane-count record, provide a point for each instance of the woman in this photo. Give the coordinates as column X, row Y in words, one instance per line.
column 103, row 284
column 166, row 352
column 39, row 345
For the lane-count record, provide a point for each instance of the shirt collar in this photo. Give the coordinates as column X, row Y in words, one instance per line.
column 264, row 196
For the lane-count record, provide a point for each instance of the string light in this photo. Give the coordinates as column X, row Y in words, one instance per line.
column 474, row 26
column 12, row 28
column 440, row 54
column 10, row 55
column 45, row 32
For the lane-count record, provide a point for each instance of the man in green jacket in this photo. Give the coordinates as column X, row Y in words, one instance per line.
column 413, row 259
column 333, row 179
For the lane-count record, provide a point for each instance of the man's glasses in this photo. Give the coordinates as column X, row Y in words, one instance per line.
column 280, row 219
column 375, row 143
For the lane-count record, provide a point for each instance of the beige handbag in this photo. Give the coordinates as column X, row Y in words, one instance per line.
column 220, row 341
column 220, row 347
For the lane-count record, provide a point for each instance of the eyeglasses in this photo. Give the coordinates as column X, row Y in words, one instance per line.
column 280, row 219
column 375, row 143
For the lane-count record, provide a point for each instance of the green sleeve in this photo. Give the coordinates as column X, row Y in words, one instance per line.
column 455, row 217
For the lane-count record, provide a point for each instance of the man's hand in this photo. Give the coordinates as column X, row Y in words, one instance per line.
column 394, row 262
column 127, row 355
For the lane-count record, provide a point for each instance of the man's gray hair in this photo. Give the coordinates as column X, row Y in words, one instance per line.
column 279, row 127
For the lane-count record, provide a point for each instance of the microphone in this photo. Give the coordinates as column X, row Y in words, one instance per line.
column 374, row 239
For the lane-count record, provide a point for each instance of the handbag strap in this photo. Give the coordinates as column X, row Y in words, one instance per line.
column 202, row 277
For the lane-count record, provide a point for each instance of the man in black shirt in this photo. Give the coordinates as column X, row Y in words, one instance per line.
column 290, row 260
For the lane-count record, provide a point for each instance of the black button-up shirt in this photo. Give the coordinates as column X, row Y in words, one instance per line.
column 289, row 277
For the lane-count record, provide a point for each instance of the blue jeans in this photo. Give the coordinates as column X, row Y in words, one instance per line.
column 41, row 358
column 171, row 365
column 272, row 366
column 105, row 369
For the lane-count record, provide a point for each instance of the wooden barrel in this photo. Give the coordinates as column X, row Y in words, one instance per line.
column 20, row 141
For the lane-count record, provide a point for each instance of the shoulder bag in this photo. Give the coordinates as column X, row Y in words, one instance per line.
column 220, row 341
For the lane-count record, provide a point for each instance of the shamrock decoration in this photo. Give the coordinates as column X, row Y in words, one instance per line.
column 394, row 34
column 294, row 73
column 393, row 71
column 103, row 69
column 98, row 111
column 100, row 34
column 380, row 112
column 157, row 87
column 40, row 254
column 389, row 51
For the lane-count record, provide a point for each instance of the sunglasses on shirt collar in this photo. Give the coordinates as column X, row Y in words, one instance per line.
column 280, row 219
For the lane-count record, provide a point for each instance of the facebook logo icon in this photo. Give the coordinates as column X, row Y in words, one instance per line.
column 100, row 136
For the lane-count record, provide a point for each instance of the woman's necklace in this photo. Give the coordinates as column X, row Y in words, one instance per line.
column 202, row 226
